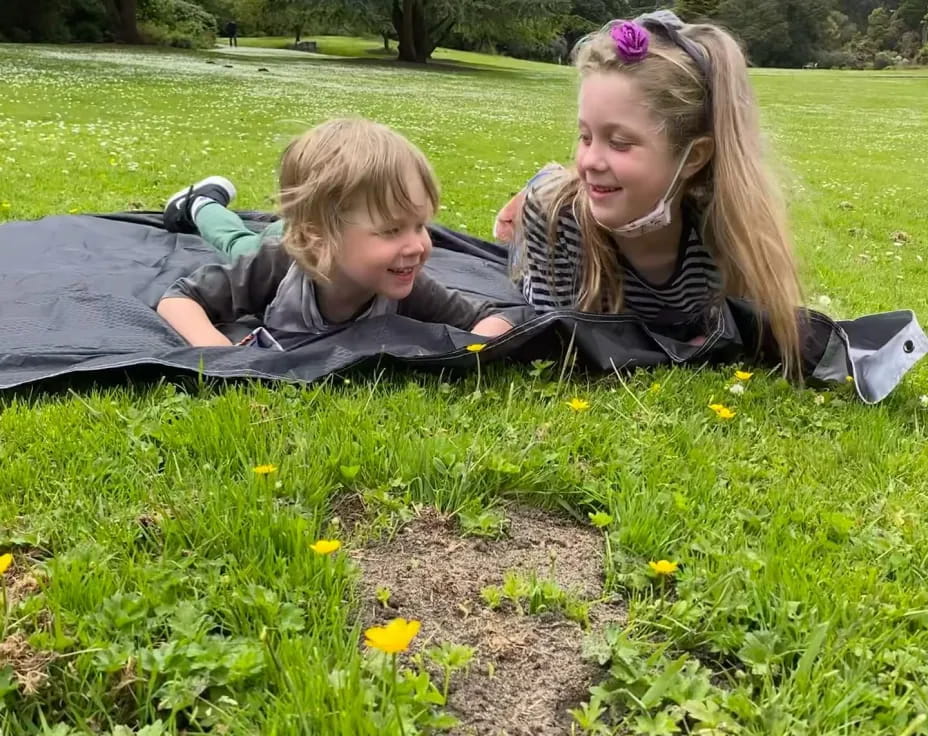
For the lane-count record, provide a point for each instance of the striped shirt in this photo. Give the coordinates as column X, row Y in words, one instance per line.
column 551, row 279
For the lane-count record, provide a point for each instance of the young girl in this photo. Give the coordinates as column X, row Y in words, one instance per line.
column 668, row 207
column 355, row 201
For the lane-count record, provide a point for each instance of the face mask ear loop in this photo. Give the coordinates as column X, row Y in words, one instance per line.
column 675, row 183
column 662, row 204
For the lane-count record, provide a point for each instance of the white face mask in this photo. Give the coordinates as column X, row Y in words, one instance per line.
column 661, row 216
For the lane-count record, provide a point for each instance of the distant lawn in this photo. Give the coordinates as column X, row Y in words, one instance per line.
column 372, row 48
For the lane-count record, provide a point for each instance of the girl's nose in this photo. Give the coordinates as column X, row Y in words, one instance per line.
column 591, row 157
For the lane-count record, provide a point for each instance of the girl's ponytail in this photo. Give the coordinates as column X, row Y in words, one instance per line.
column 745, row 216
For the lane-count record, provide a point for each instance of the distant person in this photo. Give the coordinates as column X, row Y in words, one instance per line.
column 232, row 32
column 669, row 206
column 355, row 199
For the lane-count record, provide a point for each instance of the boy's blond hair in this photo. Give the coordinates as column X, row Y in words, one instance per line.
column 340, row 171
column 744, row 218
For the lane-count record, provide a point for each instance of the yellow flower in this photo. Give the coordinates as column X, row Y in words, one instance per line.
column 849, row 379
column 265, row 469
column 477, row 347
column 326, row 546
column 578, row 404
column 723, row 412
column 655, row 388
column 663, row 567
column 5, row 562
column 743, row 375
column 6, row 205
column 395, row 637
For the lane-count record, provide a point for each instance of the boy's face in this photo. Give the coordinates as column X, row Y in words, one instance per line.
column 384, row 257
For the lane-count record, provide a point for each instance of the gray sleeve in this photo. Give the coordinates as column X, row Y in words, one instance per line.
column 429, row 301
column 229, row 291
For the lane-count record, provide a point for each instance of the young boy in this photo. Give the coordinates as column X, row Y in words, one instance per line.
column 355, row 200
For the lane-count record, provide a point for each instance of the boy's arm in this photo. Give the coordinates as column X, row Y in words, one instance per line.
column 218, row 293
column 429, row 301
column 191, row 321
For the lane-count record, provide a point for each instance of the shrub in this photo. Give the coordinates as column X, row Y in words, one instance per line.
column 87, row 31
column 842, row 59
column 922, row 56
column 884, row 59
column 176, row 23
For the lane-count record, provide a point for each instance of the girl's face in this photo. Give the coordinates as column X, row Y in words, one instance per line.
column 624, row 160
column 384, row 257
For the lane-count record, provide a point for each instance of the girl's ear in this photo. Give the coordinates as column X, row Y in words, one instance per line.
column 700, row 154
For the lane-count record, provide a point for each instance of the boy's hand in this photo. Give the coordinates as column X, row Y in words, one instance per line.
column 491, row 327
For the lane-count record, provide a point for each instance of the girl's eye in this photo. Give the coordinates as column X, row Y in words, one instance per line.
column 620, row 145
column 584, row 139
column 390, row 232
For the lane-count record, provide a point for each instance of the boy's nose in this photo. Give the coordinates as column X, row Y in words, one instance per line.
column 416, row 244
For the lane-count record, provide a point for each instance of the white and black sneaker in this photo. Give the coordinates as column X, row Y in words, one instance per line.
column 181, row 208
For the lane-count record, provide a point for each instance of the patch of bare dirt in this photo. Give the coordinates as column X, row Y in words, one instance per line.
column 528, row 670
column 29, row 665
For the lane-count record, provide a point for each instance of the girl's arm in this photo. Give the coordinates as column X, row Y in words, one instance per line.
column 491, row 327
column 191, row 321
column 505, row 224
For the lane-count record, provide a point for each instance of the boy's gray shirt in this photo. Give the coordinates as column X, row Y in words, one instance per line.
column 271, row 286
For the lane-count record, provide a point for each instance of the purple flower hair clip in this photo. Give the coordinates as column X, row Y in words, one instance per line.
column 631, row 41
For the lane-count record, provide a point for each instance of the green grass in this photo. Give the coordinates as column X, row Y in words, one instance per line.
column 177, row 586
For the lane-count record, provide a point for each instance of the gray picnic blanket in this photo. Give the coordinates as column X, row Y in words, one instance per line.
column 77, row 297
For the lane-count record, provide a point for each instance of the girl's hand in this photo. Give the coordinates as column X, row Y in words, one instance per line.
column 491, row 327
column 504, row 227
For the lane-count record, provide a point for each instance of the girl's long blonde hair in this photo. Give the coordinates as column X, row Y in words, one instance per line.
column 346, row 168
column 744, row 221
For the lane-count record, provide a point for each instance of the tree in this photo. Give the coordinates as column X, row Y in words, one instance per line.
column 422, row 25
column 838, row 30
column 124, row 14
column 760, row 24
column 808, row 23
column 859, row 10
column 910, row 14
column 878, row 28
column 694, row 11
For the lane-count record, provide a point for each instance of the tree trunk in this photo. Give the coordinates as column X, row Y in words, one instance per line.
column 386, row 41
column 122, row 19
column 403, row 23
column 417, row 40
column 128, row 24
column 299, row 34
column 421, row 36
